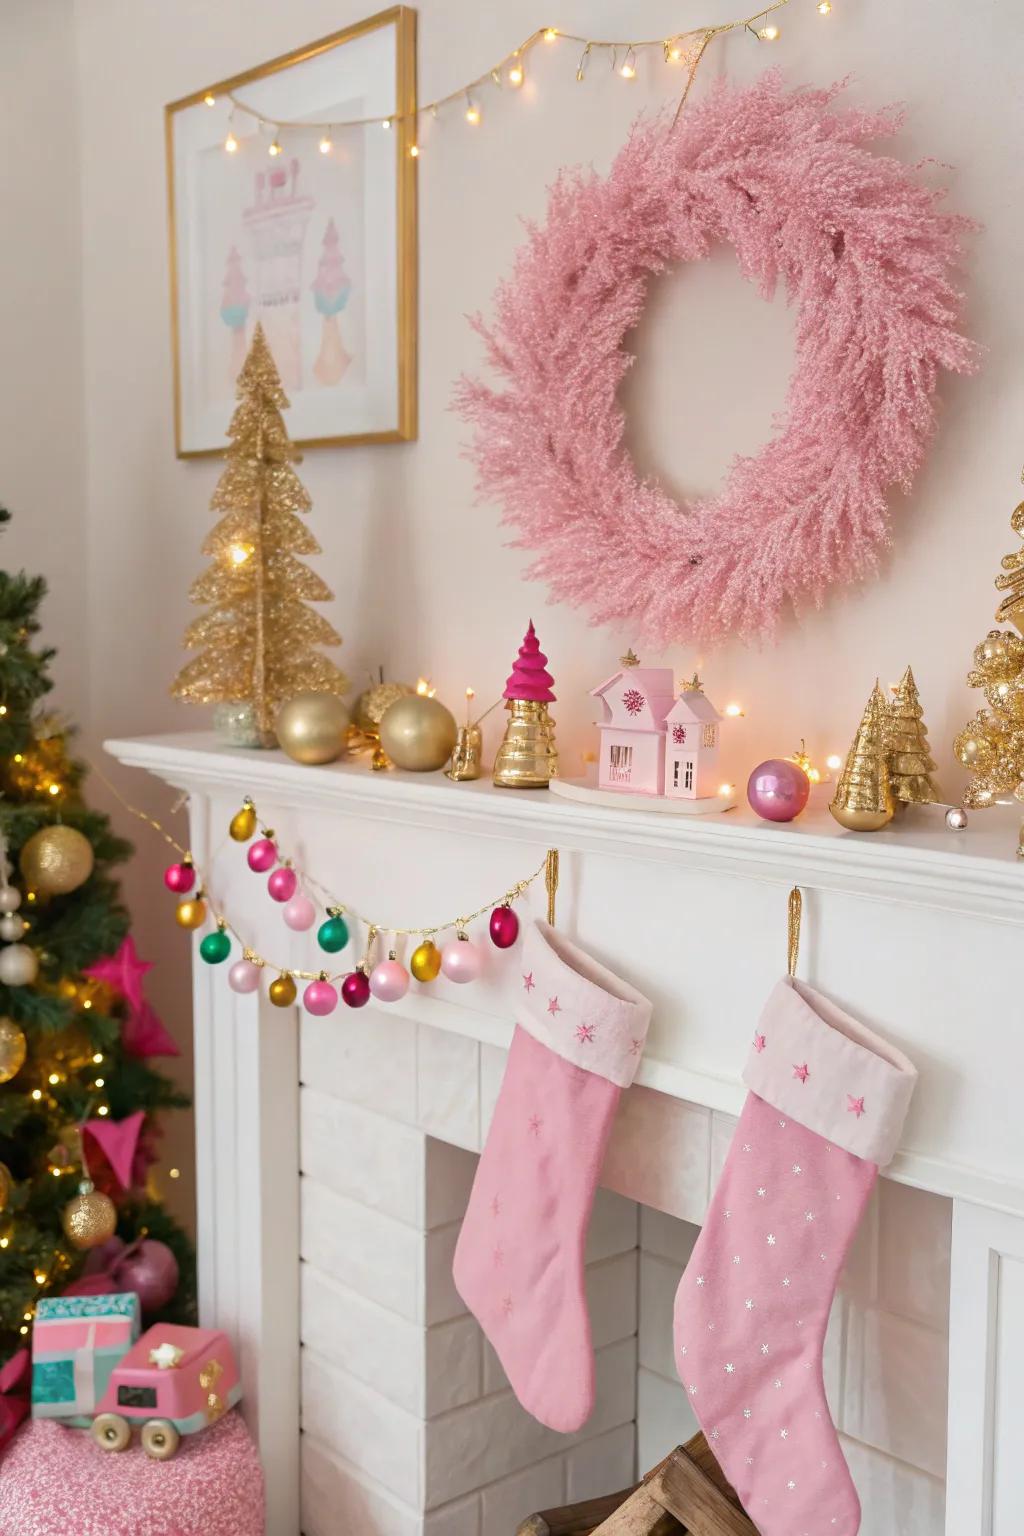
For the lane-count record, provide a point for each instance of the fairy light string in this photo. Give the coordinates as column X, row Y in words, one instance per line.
column 547, row 869
column 685, row 48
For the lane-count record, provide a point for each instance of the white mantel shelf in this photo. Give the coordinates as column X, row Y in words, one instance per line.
column 918, row 863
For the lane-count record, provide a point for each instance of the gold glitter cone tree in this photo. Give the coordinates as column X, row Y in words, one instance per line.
column 863, row 801
column 991, row 745
column 911, row 764
column 258, row 642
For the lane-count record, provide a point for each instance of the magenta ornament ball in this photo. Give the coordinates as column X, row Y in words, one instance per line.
column 355, row 989
column 778, row 790
column 244, row 976
column 282, row 883
column 389, row 981
column 262, row 855
column 151, row 1270
column 462, row 960
column 504, row 927
column 320, row 999
column 179, row 878
column 300, row 913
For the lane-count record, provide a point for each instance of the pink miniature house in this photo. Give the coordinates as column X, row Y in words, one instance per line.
column 692, row 732
column 636, row 701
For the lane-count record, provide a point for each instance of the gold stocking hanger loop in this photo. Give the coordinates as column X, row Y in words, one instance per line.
column 796, row 906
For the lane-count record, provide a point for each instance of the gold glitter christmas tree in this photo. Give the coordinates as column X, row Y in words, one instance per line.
column 258, row 641
column 863, row 801
column 992, row 744
column 911, row 764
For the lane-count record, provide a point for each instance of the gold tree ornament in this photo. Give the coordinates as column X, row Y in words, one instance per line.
column 1011, row 609
column 258, row 642
column 13, row 1049
column 911, row 764
column 863, row 801
column 56, row 860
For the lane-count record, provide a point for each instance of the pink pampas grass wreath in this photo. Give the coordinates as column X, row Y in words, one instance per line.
column 862, row 249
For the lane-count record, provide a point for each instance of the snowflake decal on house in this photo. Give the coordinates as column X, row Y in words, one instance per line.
column 679, row 734
column 634, row 701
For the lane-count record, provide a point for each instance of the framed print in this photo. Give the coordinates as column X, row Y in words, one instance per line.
column 292, row 192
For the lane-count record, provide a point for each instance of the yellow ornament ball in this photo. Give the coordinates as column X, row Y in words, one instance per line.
column 190, row 913
column 418, row 733
column 425, row 963
column 243, row 823
column 12, row 1049
column 56, row 860
column 90, row 1218
column 6, row 1185
column 313, row 727
column 282, row 991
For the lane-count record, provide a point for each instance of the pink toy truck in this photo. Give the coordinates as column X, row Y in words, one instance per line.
column 174, row 1381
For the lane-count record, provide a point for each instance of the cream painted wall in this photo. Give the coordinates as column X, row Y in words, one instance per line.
column 423, row 580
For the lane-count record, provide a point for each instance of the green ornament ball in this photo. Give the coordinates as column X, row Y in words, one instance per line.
column 215, row 947
column 333, row 935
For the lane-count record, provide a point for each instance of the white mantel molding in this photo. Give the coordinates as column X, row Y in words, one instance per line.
column 919, row 864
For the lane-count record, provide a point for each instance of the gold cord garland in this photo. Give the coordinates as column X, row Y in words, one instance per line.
column 548, row 868
column 796, row 907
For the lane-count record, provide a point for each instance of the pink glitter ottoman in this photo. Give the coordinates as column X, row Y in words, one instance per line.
column 58, row 1482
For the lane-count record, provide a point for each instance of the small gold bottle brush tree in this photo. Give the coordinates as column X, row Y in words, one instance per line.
column 889, row 764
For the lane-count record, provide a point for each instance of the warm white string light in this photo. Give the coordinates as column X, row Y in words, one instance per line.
column 679, row 48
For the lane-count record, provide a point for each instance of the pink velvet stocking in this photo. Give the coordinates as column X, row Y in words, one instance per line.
column 826, row 1108
column 519, row 1261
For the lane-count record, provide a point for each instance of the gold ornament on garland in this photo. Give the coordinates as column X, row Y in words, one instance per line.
column 313, row 728
column 90, row 1218
column 13, row 1049
column 56, row 860
column 863, row 801
column 258, row 642
column 191, row 913
column 243, row 822
column 911, row 764
column 425, row 962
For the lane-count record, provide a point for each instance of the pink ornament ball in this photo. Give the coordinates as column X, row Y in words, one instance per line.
column 262, row 855
column 320, row 999
column 355, row 989
column 389, row 981
column 244, row 976
column 462, row 960
column 282, row 883
column 504, row 927
column 179, row 878
column 778, row 790
column 300, row 913
column 151, row 1270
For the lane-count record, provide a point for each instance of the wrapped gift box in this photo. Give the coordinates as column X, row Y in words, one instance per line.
column 76, row 1343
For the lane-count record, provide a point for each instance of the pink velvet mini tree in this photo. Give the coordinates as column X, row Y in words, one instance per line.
column 528, row 757
column 529, row 678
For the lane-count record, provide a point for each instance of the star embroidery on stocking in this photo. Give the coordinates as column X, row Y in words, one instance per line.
column 749, row 1304
column 854, row 1106
column 808, row 1215
column 496, row 1205
column 801, row 1072
column 764, row 1349
column 528, row 982
column 759, row 1043
column 749, row 1461
column 715, row 1435
column 783, row 1434
column 711, row 1327
column 735, row 1258
column 506, row 1305
column 761, row 1192
column 682, row 1349
column 553, row 1006
column 692, row 1390
column 700, row 1280
column 730, row 1369
column 746, row 1413
column 770, row 1239
column 797, row 1168
column 534, row 1124
column 585, row 1034
column 728, row 1214
column 635, row 1046
column 791, row 1484
column 777, row 1383
column 823, row 1257
column 786, row 1282
column 746, row 1146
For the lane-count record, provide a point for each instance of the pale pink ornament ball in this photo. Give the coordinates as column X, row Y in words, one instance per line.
column 389, row 981
column 461, row 960
column 244, row 976
column 300, row 913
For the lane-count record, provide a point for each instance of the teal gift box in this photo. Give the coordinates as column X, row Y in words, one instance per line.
column 76, row 1343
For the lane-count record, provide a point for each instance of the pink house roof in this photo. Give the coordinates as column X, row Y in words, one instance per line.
column 693, row 705
column 641, row 698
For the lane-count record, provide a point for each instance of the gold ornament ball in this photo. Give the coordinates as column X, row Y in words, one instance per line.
column 425, row 963
column 313, row 727
column 860, row 821
column 6, row 1185
column 243, row 823
column 370, row 706
column 12, row 1049
column 56, row 860
column 973, row 747
column 90, row 1218
column 418, row 733
column 190, row 913
column 282, row 991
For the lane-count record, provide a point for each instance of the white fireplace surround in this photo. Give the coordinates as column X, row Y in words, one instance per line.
column 335, row 1156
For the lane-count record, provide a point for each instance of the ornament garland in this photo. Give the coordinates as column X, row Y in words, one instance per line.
column 787, row 179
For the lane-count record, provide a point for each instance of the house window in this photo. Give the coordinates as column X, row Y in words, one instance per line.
column 709, row 735
column 675, row 773
column 688, row 774
column 620, row 764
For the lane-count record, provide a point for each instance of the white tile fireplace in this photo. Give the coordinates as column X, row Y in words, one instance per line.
column 335, row 1155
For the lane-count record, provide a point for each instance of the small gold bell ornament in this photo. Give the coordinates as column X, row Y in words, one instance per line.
column 528, row 756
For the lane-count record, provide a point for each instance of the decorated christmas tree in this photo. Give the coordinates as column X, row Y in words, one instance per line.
column 992, row 744
column 910, row 762
column 258, row 641
column 74, row 1077
column 863, row 801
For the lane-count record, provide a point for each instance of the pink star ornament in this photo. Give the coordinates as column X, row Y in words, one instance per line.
column 144, row 1034
column 855, row 1106
column 123, row 970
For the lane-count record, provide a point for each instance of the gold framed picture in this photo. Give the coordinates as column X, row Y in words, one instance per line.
column 292, row 202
